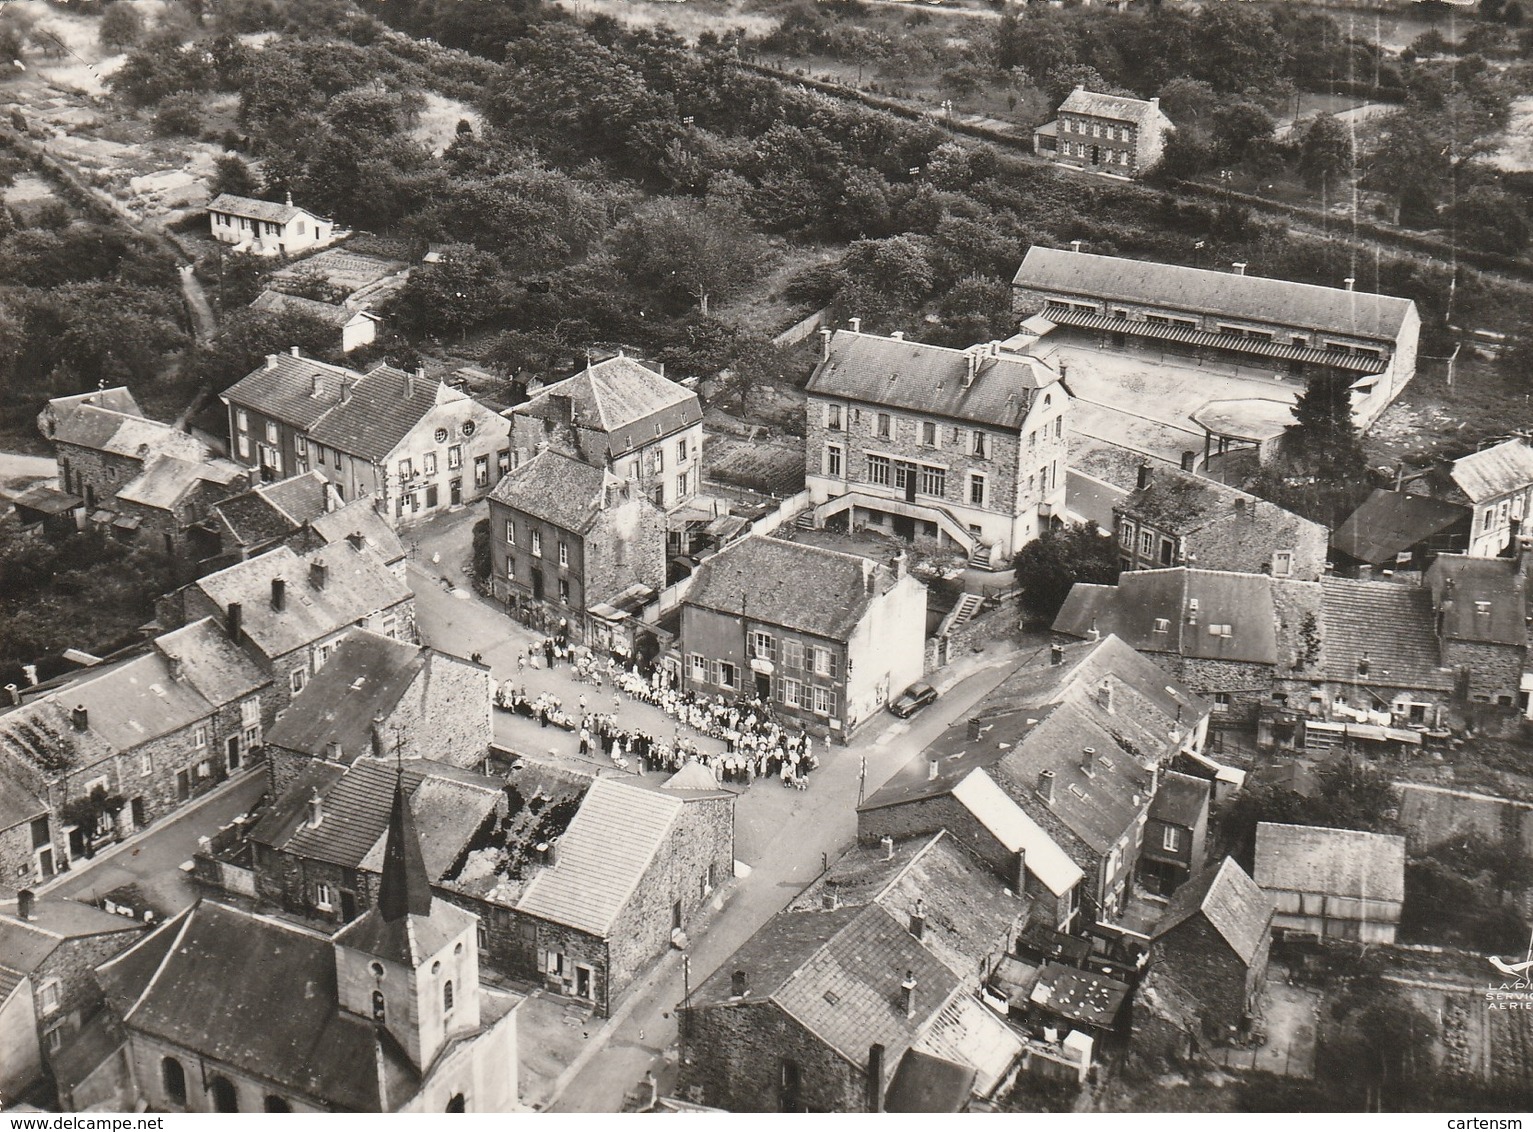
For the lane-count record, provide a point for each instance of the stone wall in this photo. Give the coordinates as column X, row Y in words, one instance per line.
column 447, row 712
column 1495, row 671
column 73, row 963
column 104, row 473
column 1198, row 960
column 736, row 1054
column 626, row 548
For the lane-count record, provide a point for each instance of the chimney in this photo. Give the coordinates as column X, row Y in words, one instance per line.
column 660, row 368
column 1046, row 786
column 25, row 899
column 1021, row 872
column 345, row 389
column 316, row 809
column 897, row 335
column 319, row 386
column 551, row 851
column 271, row 361
column 380, row 746
column 875, row 1097
column 830, row 898
column 1238, row 268
column 887, row 845
column 1075, row 245
column 294, row 351
column 80, row 717
column 333, row 750
column 234, row 618
column 855, row 324
column 933, row 769
column 899, row 564
column 739, row 985
column 176, row 666
column 1104, row 695
column 1155, row 102
column 970, row 367
column 1362, row 666
column 318, row 572
column 279, row 594
column 30, row 672
column 1364, row 572
column 289, row 198
column 1144, row 475
column 1089, row 762
column 1189, row 459
column 13, row 694
column 824, row 344
column 1056, row 654
column 869, row 574
column 356, row 540
column 908, row 994
column 918, row 919
column 1349, row 282
column 409, row 386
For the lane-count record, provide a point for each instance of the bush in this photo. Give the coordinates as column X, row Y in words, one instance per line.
column 483, row 564
column 179, row 114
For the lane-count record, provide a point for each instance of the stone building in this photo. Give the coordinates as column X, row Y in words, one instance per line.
column 1212, row 942
column 1286, row 329
column 1176, row 836
column 52, row 947
column 412, row 445
column 1176, row 518
column 303, row 513
column 829, row 649
column 389, row 1015
column 624, row 417
column 567, row 536
column 1051, row 779
column 1481, row 605
column 1104, row 132
column 964, row 446
column 388, row 699
column 1332, row 883
column 27, row 852
column 168, row 507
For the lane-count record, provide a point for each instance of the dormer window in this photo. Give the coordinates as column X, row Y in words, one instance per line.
column 977, row 445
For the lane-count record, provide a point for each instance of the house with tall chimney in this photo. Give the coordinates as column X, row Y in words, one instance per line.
column 388, row 1015
column 412, row 445
column 967, row 447
column 826, row 638
column 1109, row 133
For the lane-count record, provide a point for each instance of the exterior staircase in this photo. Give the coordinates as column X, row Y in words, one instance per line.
column 968, row 605
column 805, row 519
column 979, row 557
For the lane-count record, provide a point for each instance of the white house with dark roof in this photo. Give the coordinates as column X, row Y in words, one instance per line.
column 1496, row 483
column 623, row 416
column 1105, row 132
column 264, row 227
column 356, row 326
column 826, row 638
column 964, row 446
column 1332, row 883
column 411, row 444
column 1287, row 329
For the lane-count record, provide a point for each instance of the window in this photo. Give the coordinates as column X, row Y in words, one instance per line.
column 822, row 662
column 380, row 1009
column 833, row 460
column 481, row 471
column 833, row 418
column 728, row 675
column 200, row 737
column 564, row 553
column 48, row 996
column 902, row 474
column 296, row 679
column 824, row 701
column 1490, row 518
column 1282, row 563
column 173, row 1078
column 1059, row 427
column 428, row 463
column 53, row 1037
column 793, row 654
column 699, row 668
column 1221, row 702
column 929, row 434
column 1171, row 839
column 537, row 544
column 243, row 418
column 406, row 468
column 564, row 590
column 510, row 532
column 1162, row 625
column 468, row 428
column 271, row 432
column 1032, row 440
column 324, row 899
column 659, row 460
column 762, row 647
column 883, row 426
column 250, row 711
column 681, row 450
column 274, row 1103
column 1146, row 543
column 455, row 456
column 877, row 471
column 976, row 489
column 447, row 996
column 792, row 692
column 244, row 446
column 503, row 461
column 1167, row 550
column 933, row 481
column 977, row 444
column 681, row 485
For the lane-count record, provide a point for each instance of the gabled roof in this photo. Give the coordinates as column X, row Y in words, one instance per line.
column 335, row 314
column 360, row 518
column 1483, row 600
column 290, row 388
column 1233, row 904
column 1336, row 862
column 831, row 591
column 1115, row 106
column 213, row 664
column 1009, row 824
column 1181, row 502
column 118, row 399
column 1172, row 287
column 19, row 802
column 1389, row 624
column 1388, row 523
column 165, row 480
column 1180, row 799
column 931, row 379
column 364, row 679
column 1495, row 471
column 254, row 209
column 602, row 856
column 269, row 511
column 968, row 1033
column 621, row 398
column 561, row 490
column 208, row 980
column 123, row 434
column 384, row 406
column 26, row 944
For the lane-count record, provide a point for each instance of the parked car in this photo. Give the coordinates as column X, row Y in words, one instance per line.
column 913, row 699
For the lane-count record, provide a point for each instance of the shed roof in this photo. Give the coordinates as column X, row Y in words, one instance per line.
column 923, row 1082
column 26, row 944
column 1335, row 862
column 166, row 480
column 1388, row 523
column 1180, row 799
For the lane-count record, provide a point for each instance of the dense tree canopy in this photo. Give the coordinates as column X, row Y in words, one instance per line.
column 1048, row 566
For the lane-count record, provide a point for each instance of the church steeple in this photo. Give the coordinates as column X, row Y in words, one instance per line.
column 405, row 887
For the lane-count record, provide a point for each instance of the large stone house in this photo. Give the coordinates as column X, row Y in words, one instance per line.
column 827, row 638
column 388, row 1015
column 1104, row 132
column 1176, row 518
column 1051, row 778
column 411, row 444
column 1332, row 883
column 567, row 536
column 964, row 446
column 1284, row 328
column 625, row 417
column 263, row 227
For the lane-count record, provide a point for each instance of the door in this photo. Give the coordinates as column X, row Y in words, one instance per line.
column 183, row 785
column 45, row 867
column 431, row 497
column 348, row 905
column 232, row 747
column 457, row 492
column 140, row 818
column 537, row 585
column 676, row 916
column 1096, row 155
column 582, row 982
column 763, row 687
column 904, row 526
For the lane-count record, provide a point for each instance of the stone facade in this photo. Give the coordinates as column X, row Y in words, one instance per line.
column 1196, row 957
column 761, row 1060
column 1251, row 536
column 64, row 990
column 1488, row 673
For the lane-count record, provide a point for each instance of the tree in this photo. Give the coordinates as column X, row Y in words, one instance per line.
column 121, row 27
column 1352, row 794
column 705, row 250
column 1238, row 129
column 1491, row 220
column 457, row 293
column 233, row 176
column 180, row 113
column 1325, row 154
column 1051, row 564
column 1323, row 440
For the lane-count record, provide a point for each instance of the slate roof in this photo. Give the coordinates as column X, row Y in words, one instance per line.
column 1115, row 106
column 270, row 511
column 253, row 209
column 1483, row 600
column 358, row 584
column 26, row 944
column 207, row 981
column 1336, row 862
column 332, row 313
column 923, row 1082
column 1493, row 472
column 1009, row 824
column 1390, row 623
column 213, row 664
column 118, row 399
column 1388, row 523
column 621, row 398
column 366, row 677
column 283, row 388
column 1173, row 287
column 902, row 374
column 1182, row 502
column 385, row 404
column 360, row 517
column 556, row 488
column 165, row 480
column 123, row 434
column 19, row 800
column 827, row 599
column 839, row 975
column 1180, row 799
column 603, row 854
column 1230, row 901
column 9, row 981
